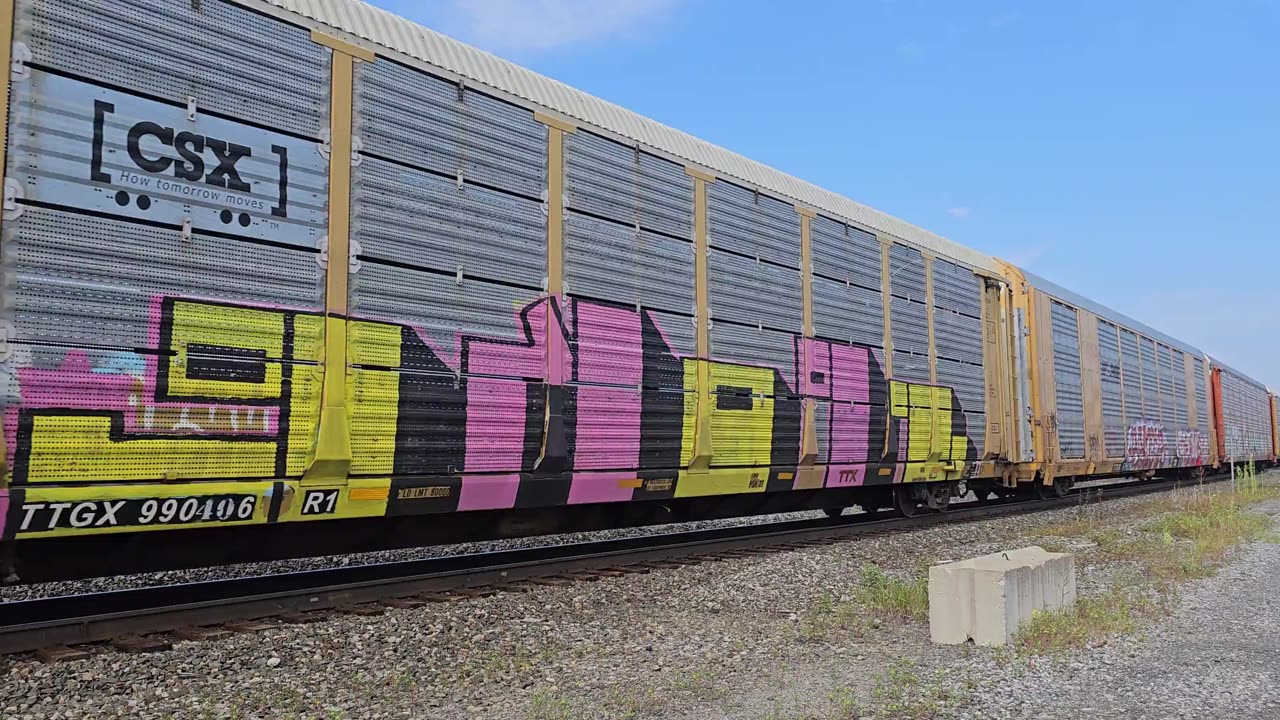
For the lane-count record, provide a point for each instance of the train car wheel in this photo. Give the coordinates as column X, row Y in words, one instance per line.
column 905, row 502
column 1059, row 489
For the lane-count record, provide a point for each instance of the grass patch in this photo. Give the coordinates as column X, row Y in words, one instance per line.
column 1193, row 534
column 826, row 615
column 877, row 596
column 893, row 597
column 904, row 692
column 1090, row 620
column 546, row 706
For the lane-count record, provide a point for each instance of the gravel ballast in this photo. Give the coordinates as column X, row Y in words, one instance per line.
column 732, row 639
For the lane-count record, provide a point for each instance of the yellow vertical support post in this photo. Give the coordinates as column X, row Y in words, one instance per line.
column 332, row 460
column 702, row 446
column 809, row 430
column 6, row 52
column 554, row 454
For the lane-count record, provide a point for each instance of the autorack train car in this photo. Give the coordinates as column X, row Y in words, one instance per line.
column 301, row 276
column 1245, row 416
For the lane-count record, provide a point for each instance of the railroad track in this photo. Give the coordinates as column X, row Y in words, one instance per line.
column 53, row 626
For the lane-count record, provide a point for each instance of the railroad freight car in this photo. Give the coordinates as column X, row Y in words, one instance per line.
column 1105, row 394
column 1246, row 417
column 301, row 276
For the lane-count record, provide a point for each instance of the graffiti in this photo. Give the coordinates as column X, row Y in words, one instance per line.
column 585, row 403
column 1148, row 447
column 1145, row 447
column 1193, row 447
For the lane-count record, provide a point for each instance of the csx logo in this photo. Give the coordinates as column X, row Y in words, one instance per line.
column 157, row 149
column 190, row 147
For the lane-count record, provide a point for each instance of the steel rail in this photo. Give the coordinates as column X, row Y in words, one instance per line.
column 79, row 619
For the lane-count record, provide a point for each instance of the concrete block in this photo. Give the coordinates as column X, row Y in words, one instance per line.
column 988, row 598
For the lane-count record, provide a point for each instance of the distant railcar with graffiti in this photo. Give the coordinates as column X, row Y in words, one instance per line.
column 340, row 271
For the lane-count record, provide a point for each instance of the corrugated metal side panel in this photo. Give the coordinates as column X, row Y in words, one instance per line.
column 1204, row 413
column 415, row 218
column 1066, row 375
column 1113, row 424
column 1168, row 413
column 1246, row 415
column 957, row 288
column 80, row 280
column 78, row 144
column 906, row 273
column 909, row 321
column 1180, row 417
column 384, row 28
column 913, row 368
column 617, row 182
column 957, row 337
column 154, row 336
column 910, row 326
column 976, row 429
column 607, row 261
column 845, row 254
column 753, row 292
column 761, row 348
column 968, row 382
column 419, row 120
column 465, row 353
column 443, row 313
column 606, row 340
column 230, row 60
column 847, row 313
column 742, row 221
column 1131, row 372
column 1150, row 380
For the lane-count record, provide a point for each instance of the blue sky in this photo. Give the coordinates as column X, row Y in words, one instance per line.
column 1127, row 150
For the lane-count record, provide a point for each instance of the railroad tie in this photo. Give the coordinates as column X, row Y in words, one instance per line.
column 193, row 632
column 141, row 644
column 61, row 653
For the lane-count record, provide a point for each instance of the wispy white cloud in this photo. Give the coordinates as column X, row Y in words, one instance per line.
column 539, row 25
column 959, row 212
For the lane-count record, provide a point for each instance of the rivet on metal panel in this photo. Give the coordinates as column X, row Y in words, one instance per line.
column 13, row 192
column 191, row 108
column 186, row 229
column 353, row 255
column 18, row 61
column 357, row 149
column 325, row 144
